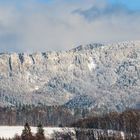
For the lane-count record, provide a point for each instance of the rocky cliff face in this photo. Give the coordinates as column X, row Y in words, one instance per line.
column 105, row 77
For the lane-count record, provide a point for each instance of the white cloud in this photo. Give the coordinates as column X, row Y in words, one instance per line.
column 33, row 26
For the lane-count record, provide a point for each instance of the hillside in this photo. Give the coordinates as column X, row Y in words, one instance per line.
column 102, row 76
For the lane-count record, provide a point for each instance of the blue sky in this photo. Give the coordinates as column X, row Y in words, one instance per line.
column 44, row 25
column 131, row 4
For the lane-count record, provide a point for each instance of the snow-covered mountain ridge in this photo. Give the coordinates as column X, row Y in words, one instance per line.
column 101, row 76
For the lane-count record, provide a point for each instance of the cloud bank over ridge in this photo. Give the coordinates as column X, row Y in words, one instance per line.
column 60, row 25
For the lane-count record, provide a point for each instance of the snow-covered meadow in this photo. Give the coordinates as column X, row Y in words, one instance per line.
column 11, row 131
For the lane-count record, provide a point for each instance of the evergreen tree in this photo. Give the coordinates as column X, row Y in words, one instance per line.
column 40, row 132
column 26, row 133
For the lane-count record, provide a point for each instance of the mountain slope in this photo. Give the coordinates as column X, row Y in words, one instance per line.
column 107, row 74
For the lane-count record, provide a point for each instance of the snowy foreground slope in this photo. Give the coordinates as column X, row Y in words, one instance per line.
column 11, row 131
column 101, row 76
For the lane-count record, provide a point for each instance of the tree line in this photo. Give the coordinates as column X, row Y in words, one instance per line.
column 127, row 122
column 112, row 126
column 47, row 115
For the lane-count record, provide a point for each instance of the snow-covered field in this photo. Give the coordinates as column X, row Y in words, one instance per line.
column 10, row 131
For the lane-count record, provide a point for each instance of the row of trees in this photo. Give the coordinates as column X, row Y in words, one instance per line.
column 124, row 126
column 128, row 122
column 48, row 115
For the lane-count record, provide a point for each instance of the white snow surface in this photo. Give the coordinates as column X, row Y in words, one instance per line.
column 10, row 131
column 91, row 64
